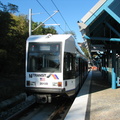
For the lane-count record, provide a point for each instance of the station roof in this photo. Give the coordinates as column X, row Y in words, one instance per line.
column 100, row 27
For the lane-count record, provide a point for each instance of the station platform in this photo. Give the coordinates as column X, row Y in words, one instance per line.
column 96, row 100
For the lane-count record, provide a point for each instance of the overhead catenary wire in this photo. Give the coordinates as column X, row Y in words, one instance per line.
column 61, row 15
column 48, row 14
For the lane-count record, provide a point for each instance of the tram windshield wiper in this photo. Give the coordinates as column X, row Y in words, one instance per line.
column 53, row 71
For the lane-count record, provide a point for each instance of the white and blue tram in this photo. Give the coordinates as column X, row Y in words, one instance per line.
column 54, row 66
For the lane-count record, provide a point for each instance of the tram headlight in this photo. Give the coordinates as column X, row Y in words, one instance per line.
column 59, row 84
column 28, row 83
column 31, row 83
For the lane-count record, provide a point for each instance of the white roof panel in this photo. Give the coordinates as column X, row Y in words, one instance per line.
column 49, row 37
column 93, row 10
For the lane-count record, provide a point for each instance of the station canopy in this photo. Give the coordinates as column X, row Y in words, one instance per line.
column 100, row 27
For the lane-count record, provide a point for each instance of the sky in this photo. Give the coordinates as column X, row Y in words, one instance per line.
column 71, row 11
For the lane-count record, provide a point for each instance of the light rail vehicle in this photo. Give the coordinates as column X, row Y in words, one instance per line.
column 55, row 66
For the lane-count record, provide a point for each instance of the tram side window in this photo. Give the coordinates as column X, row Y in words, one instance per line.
column 76, row 67
column 69, row 66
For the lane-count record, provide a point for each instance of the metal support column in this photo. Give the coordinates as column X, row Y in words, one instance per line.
column 113, row 69
column 103, row 65
column 107, row 64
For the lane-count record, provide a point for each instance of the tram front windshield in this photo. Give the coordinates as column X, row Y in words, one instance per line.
column 44, row 57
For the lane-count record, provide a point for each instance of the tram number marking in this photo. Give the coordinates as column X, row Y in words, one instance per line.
column 43, row 83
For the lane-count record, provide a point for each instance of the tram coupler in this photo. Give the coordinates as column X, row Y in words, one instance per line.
column 46, row 98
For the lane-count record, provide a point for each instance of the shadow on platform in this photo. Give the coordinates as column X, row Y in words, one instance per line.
column 98, row 83
column 98, row 86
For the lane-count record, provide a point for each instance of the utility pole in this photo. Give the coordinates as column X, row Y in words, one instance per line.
column 30, row 19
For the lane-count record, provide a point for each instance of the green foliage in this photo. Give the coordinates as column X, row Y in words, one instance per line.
column 3, row 54
column 42, row 30
column 14, row 32
column 85, row 51
column 8, row 8
column 3, row 59
column 50, row 30
column 13, row 35
column 71, row 32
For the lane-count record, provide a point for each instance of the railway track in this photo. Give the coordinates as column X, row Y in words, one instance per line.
column 17, row 109
column 29, row 109
column 61, row 111
column 57, row 110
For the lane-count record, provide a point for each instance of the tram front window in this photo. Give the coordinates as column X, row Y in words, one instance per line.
column 44, row 57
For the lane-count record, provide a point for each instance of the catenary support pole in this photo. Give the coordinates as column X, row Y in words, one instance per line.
column 30, row 19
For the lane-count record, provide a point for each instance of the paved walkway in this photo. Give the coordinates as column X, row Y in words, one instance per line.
column 103, row 102
column 79, row 106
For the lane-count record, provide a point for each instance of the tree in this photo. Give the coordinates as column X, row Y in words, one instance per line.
column 84, row 49
column 12, row 8
column 8, row 8
column 50, row 30
column 71, row 32
column 14, row 32
column 13, row 35
column 42, row 30
column 17, row 41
